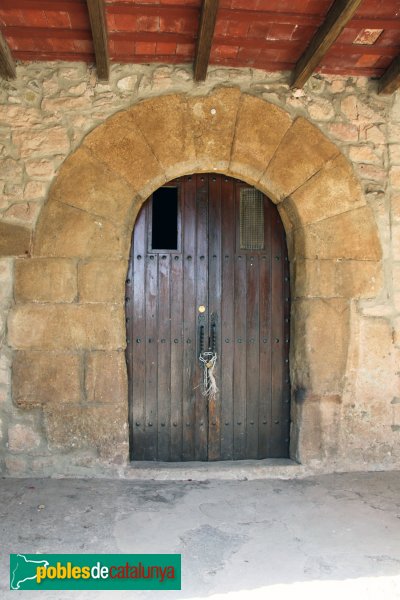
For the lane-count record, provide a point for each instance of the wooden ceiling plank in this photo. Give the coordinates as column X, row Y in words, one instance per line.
column 97, row 18
column 205, row 37
column 7, row 63
column 336, row 20
column 390, row 80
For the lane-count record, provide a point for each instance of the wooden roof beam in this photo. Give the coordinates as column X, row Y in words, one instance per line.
column 7, row 63
column 205, row 38
column 390, row 80
column 97, row 15
column 336, row 20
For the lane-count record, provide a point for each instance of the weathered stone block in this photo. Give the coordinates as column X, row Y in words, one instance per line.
column 104, row 428
column 41, row 142
column 171, row 139
column 317, row 427
column 333, row 190
column 65, row 231
column 67, row 326
column 85, row 183
column 45, row 280
column 106, row 378
column 6, row 277
column 350, row 235
column 46, row 378
column 332, row 278
column 14, row 240
column 102, row 281
column 321, row 329
column 22, row 438
column 120, row 145
column 213, row 120
column 260, row 128
column 303, row 151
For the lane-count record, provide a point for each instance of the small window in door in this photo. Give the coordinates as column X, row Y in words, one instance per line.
column 164, row 219
column 251, row 219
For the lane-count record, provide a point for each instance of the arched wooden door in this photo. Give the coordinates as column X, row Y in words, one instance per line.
column 208, row 252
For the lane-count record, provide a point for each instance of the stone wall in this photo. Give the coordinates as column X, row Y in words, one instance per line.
column 44, row 116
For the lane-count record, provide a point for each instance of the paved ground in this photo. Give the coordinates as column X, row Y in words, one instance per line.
column 329, row 536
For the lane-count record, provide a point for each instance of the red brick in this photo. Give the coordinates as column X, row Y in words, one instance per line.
column 11, row 17
column 85, row 46
column 166, row 48
column 119, row 48
column 125, row 22
column 179, row 24
column 34, row 18
column 185, row 49
column 80, row 19
column 58, row 19
column 224, row 52
column 236, row 28
column 221, row 27
column 180, row 2
column 61, row 45
column 145, row 47
column 280, row 31
column 145, row 23
column 246, row 54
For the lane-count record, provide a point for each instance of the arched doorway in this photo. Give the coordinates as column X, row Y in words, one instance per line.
column 84, row 235
column 208, row 279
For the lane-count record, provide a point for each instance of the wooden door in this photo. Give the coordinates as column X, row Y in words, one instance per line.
column 208, row 242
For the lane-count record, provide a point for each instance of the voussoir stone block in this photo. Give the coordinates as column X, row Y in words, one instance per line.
column 165, row 123
column 350, row 235
column 102, row 281
column 87, row 184
column 213, row 120
column 106, row 378
column 260, row 128
column 14, row 240
column 45, row 280
column 303, row 151
column 40, row 378
column 104, row 428
column 66, row 326
column 331, row 191
column 120, row 145
column 66, row 231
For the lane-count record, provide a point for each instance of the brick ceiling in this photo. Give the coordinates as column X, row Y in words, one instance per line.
column 266, row 34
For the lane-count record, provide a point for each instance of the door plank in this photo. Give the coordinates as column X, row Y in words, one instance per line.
column 201, row 411
column 176, row 352
column 240, row 363
column 227, row 316
column 252, row 353
column 163, row 341
column 189, row 221
column 215, row 293
column 150, row 348
column 265, row 418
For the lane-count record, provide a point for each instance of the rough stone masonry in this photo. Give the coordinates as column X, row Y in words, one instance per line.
column 56, row 413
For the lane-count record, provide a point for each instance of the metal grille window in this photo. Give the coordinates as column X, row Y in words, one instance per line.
column 251, row 219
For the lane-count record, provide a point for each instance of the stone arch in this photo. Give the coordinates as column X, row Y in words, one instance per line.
column 72, row 288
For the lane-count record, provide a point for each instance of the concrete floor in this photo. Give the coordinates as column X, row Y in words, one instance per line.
column 328, row 536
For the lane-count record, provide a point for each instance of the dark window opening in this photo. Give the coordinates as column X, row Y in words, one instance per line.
column 164, row 230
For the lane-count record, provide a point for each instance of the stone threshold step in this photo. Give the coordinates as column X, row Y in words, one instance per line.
column 242, row 470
